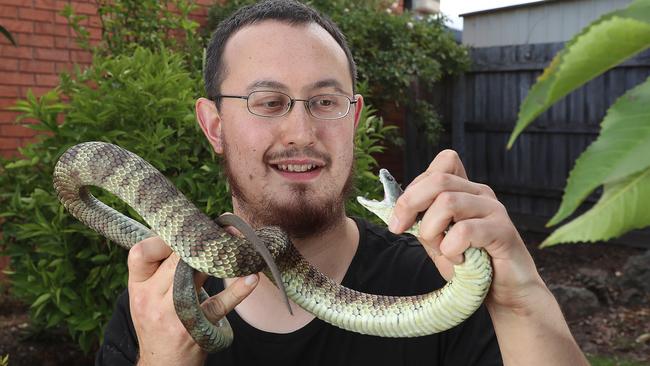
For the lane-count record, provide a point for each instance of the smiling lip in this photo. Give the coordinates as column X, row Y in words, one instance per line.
column 298, row 170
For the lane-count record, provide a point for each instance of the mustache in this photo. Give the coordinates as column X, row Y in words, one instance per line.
column 294, row 152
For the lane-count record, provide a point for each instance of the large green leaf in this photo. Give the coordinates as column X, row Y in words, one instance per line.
column 605, row 43
column 622, row 207
column 621, row 149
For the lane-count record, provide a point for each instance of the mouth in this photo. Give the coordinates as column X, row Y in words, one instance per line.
column 298, row 170
column 295, row 168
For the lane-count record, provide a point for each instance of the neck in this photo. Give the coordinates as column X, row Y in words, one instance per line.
column 330, row 252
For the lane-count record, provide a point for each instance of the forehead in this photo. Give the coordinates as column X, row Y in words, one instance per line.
column 294, row 55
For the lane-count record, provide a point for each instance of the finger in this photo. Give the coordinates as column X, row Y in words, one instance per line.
column 453, row 207
column 199, row 279
column 477, row 233
column 447, row 161
column 445, row 267
column 162, row 280
column 419, row 196
column 231, row 229
column 145, row 257
column 224, row 302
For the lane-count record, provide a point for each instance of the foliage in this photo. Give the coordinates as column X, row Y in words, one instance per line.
column 618, row 158
column 7, row 35
column 152, row 24
column 390, row 49
column 368, row 140
column 4, row 360
column 138, row 93
column 144, row 103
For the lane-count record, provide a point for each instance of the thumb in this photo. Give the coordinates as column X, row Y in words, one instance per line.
column 217, row 306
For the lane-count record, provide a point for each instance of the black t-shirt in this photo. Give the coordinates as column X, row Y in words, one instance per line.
column 383, row 264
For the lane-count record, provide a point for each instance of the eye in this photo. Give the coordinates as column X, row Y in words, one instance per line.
column 268, row 102
column 325, row 102
column 271, row 103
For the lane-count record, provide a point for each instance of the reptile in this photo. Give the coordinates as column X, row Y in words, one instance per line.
column 203, row 245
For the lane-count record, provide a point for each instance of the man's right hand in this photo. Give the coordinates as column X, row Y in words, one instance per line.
column 162, row 338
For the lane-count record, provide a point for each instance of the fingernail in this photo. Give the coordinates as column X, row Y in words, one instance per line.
column 250, row 280
column 393, row 224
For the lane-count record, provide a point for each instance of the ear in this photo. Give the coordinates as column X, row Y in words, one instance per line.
column 358, row 107
column 208, row 118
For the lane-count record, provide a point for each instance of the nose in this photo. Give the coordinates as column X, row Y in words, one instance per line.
column 297, row 127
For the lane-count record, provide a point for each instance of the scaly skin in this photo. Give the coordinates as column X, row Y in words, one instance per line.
column 205, row 247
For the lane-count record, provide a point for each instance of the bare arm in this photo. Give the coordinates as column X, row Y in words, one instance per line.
column 535, row 334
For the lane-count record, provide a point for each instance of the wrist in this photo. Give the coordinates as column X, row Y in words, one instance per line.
column 531, row 329
column 525, row 301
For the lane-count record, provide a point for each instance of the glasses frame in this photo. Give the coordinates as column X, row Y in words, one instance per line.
column 292, row 101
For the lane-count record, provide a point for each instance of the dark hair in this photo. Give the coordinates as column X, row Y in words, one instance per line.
column 287, row 11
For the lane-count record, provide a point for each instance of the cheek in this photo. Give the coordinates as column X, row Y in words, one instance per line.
column 341, row 142
column 246, row 138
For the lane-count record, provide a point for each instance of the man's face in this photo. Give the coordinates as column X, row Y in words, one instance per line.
column 292, row 171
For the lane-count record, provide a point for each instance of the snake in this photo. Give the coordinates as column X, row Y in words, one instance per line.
column 204, row 245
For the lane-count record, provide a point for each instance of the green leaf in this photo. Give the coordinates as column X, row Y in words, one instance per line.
column 41, row 299
column 86, row 325
column 603, row 44
column 622, row 207
column 621, row 149
column 100, row 259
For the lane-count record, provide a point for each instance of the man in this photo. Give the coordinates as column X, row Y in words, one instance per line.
column 289, row 163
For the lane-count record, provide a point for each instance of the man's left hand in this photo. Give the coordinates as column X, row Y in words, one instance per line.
column 446, row 197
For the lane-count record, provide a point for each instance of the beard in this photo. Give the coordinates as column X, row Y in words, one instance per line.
column 301, row 216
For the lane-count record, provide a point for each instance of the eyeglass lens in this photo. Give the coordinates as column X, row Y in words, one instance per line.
column 275, row 104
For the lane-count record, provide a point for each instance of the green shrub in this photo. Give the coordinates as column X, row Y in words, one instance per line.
column 143, row 102
column 152, row 24
column 369, row 140
column 391, row 51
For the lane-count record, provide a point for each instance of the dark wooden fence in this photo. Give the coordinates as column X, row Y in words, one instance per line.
column 479, row 110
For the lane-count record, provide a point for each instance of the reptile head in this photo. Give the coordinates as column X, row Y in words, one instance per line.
column 392, row 189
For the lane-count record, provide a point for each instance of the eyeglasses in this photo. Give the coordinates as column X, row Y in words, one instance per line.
column 277, row 104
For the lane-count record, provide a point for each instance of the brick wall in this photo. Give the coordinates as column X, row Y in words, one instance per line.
column 46, row 47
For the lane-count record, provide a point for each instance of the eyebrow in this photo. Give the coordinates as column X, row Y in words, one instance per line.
column 276, row 85
column 271, row 84
column 328, row 83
